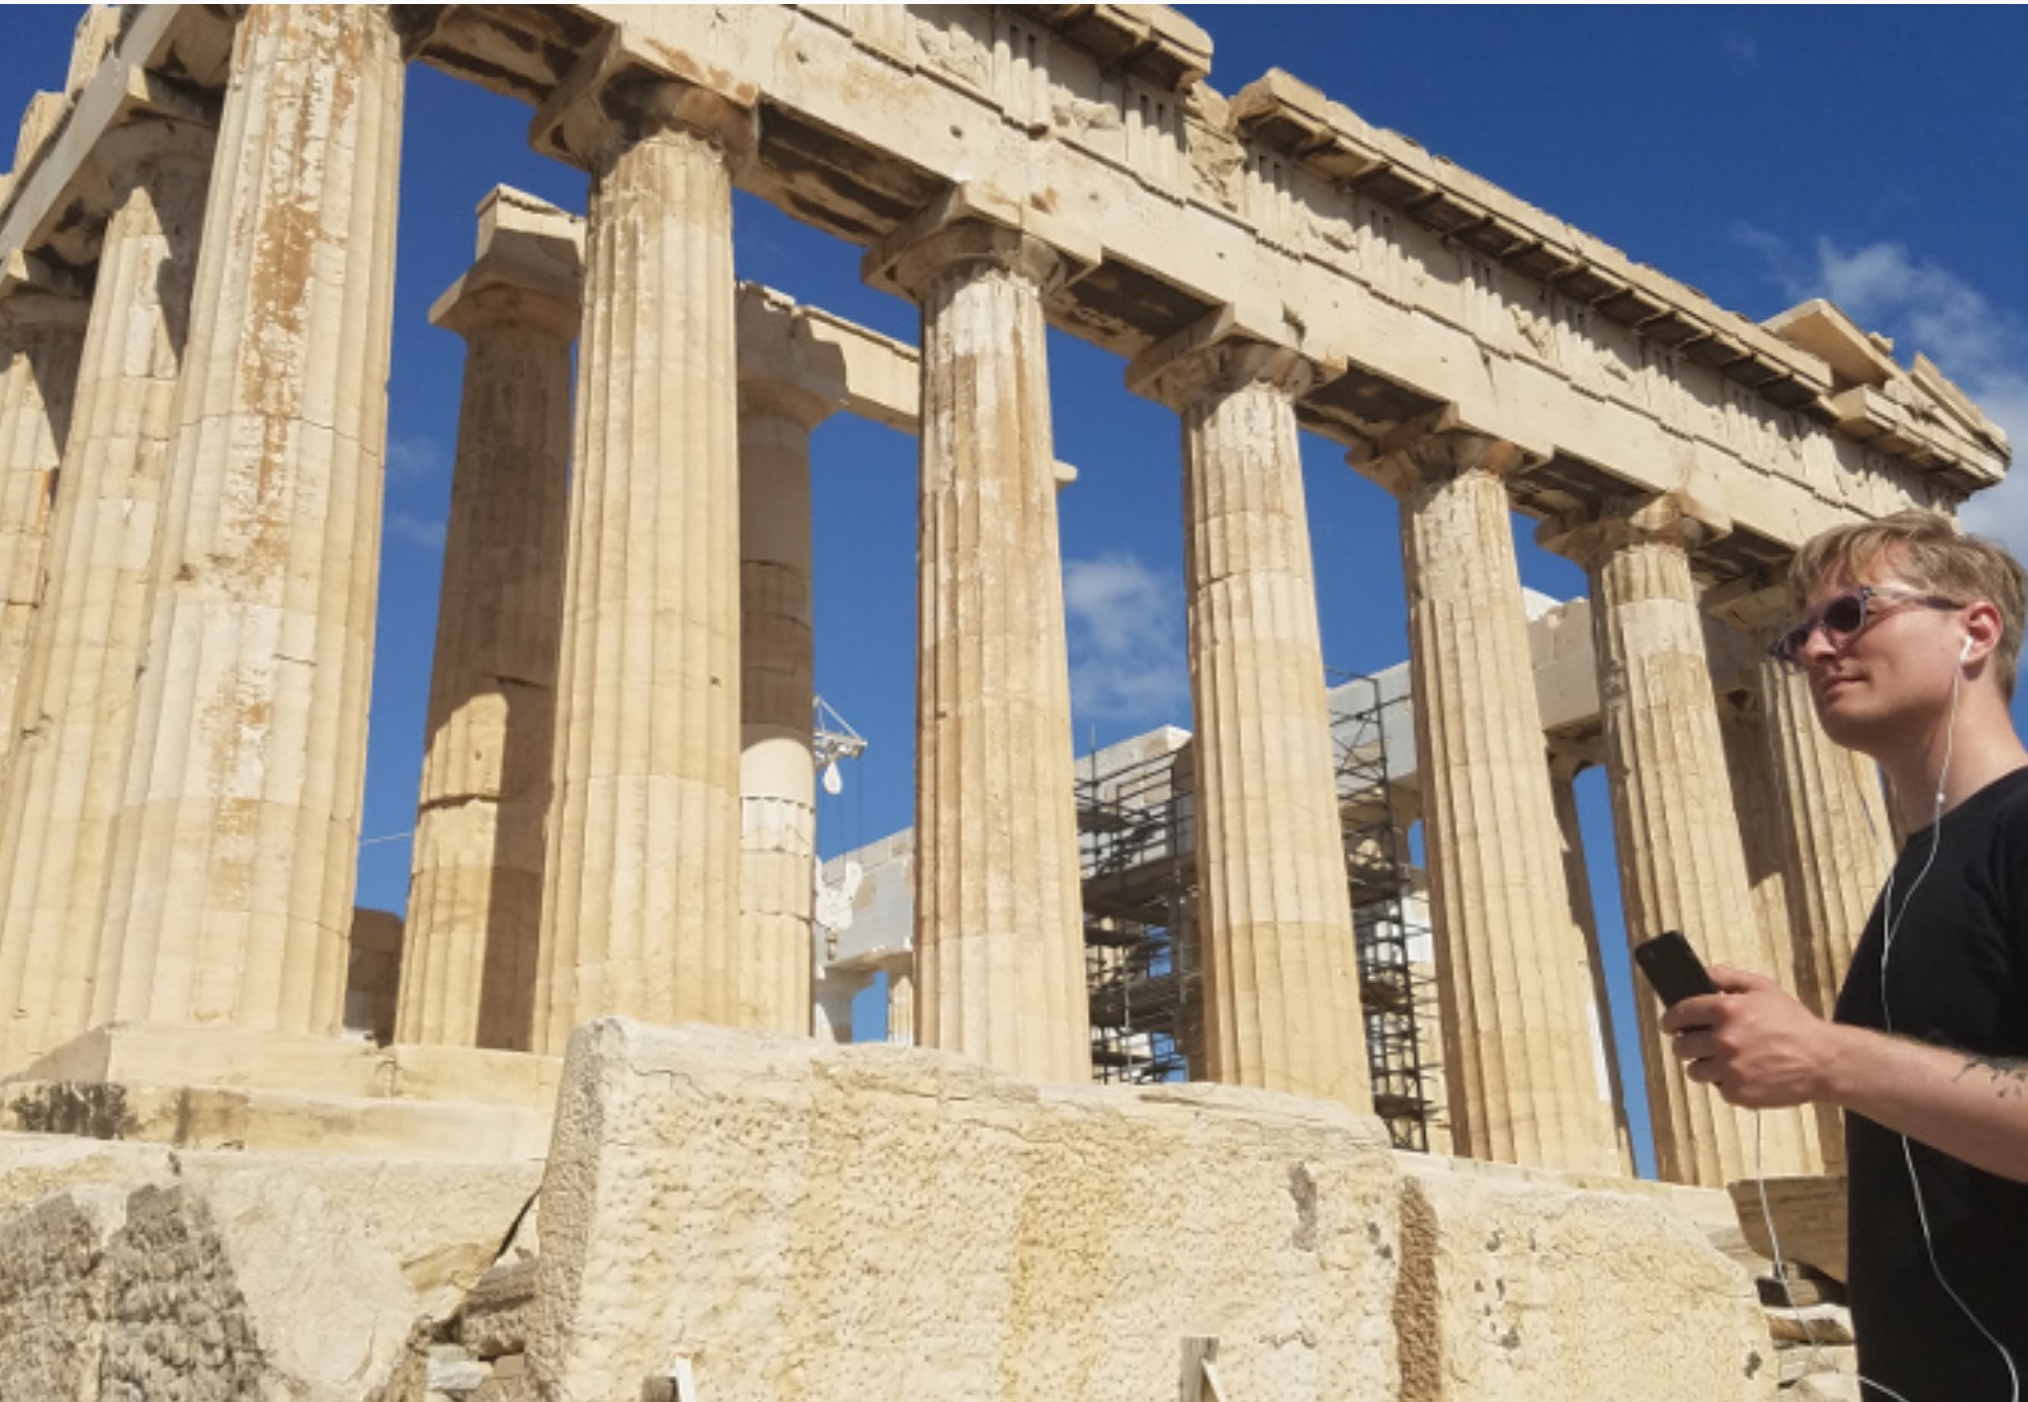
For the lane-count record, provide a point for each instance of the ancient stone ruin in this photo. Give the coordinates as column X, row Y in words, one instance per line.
column 595, row 1151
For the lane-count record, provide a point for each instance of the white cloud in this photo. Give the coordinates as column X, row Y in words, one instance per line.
column 1924, row 307
column 1126, row 641
column 416, row 530
column 2002, row 511
column 1945, row 317
column 1981, row 347
column 414, row 458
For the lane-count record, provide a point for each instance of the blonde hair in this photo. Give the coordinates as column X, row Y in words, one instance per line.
column 1925, row 551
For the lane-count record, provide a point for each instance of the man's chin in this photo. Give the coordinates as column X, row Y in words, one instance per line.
column 1842, row 725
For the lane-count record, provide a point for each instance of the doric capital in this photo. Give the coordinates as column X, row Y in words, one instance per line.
column 146, row 143
column 1221, row 354
column 491, row 296
column 529, row 271
column 1758, row 602
column 784, row 370
column 620, row 94
column 1438, row 448
column 1630, row 519
column 974, row 227
column 155, row 124
column 800, row 404
column 417, row 26
column 35, row 299
column 1573, row 752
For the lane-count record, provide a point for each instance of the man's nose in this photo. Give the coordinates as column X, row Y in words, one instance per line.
column 1817, row 644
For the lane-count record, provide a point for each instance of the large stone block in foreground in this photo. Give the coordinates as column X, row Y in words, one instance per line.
column 788, row 1220
column 1514, row 1290
column 817, row 1223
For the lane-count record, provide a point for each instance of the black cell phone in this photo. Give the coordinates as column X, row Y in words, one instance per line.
column 1672, row 967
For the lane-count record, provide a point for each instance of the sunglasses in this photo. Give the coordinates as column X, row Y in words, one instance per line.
column 1845, row 617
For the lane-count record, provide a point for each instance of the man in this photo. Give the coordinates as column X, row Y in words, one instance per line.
column 1909, row 635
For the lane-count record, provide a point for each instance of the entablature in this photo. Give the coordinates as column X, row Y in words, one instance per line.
column 1430, row 285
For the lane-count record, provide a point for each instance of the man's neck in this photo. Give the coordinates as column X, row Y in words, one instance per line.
column 1950, row 766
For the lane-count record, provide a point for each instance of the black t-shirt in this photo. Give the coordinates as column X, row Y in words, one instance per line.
column 1957, row 976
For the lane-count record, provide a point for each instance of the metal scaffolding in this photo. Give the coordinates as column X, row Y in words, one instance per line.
column 1388, row 917
column 1136, row 828
column 1137, row 831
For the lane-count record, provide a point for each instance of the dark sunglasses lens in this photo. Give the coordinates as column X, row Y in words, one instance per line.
column 1845, row 614
column 1789, row 648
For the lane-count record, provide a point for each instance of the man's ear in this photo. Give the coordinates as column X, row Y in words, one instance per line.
column 1983, row 626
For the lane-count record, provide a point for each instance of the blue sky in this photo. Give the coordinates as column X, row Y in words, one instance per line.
column 1878, row 156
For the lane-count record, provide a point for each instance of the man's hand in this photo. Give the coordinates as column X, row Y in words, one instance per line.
column 1763, row 1050
column 1755, row 1044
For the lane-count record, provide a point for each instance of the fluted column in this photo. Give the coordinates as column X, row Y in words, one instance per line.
column 42, row 332
column 63, row 791
column 998, row 915
column 1513, row 977
column 1681, row 864
column 1281, row 975
column 475, row 891
column 778, row 797
column 235, row 851
column 901, row 1006
column 1566, row 761
column 641, row 906
column 1742, row 726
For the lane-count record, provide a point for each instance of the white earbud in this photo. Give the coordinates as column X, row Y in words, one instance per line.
column 1965, row 652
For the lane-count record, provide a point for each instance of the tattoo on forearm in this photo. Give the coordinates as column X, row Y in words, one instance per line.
column 2007, row 1075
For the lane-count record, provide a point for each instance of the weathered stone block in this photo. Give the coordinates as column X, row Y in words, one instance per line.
column 248, row 1286
column 53, row 1294
column 299, row 1274
column 842, row 1223
column 1515, row 1289
column 36, row 1166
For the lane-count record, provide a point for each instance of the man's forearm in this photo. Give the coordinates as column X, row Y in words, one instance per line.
column 1970, row 1105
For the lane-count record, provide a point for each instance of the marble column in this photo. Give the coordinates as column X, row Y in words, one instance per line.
column 475, row 890
column 1279, row 960
column 778, row 797
column 63, row 791
column 640, row 909
column 234, row 854
column 1681, row 863
column 42, row 329
column 1566, row 761
column 998, row 912
column 831, row 1016
column 1756, row 798
column 900, row 1006
column 1513, row 977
